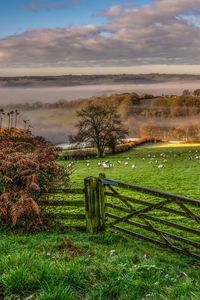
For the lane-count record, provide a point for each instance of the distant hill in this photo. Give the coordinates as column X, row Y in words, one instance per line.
column 73, row 80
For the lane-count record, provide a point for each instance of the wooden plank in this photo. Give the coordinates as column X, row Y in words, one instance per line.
column 150, row 191
column 146, row 203
column 156, row 242
column 65, row 191
column 65, row 216
column 143, row 210
column 158, row 231
column 76, row 203
column 189, row 213
column 174, row 225
column 64, row 228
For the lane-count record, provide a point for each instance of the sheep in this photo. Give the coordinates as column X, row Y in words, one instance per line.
column 160, row 166
column 106, row 165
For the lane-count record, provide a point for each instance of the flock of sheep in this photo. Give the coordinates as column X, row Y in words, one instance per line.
column 159, row 160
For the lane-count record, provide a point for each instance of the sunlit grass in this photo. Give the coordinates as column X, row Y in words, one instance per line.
column 176, row 145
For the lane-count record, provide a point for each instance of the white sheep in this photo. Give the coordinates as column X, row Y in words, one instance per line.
column 106, row 165
column 160, row 166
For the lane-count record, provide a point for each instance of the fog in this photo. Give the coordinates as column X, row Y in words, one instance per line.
column 57, row 124
column 52, row 94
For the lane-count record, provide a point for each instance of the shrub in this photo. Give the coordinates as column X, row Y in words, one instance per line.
column 27, row 169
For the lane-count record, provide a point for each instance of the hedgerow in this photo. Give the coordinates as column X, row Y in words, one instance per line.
column 92, row 152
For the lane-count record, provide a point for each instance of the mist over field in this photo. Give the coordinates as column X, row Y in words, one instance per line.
column 52, row 110
column 52, row 94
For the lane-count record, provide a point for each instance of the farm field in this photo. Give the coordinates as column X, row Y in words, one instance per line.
column 73, row 265
column 179, row 174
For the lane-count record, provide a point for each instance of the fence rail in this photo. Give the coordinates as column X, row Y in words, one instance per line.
column 165, row 219
column 120, row 206
column 63, row 210
column 133, row 187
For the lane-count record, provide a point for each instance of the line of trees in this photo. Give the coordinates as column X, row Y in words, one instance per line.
column 12, row 118
column 184, row 132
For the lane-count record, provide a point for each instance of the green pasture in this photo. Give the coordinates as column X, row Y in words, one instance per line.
column 107, row 266
column 180, row 173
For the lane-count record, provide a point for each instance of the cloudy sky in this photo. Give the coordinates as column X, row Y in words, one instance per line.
column 99, row 36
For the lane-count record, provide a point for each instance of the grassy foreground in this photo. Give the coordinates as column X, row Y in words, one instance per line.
column 104, row 266
column 59, row 266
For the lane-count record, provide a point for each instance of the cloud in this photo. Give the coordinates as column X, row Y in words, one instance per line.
column 114, row 11
column 44, row 5
column 152, row 34
column 117, row 10
column 193, row 20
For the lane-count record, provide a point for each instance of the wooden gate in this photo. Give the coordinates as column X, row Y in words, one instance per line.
column 168, row 220
column 64, row 208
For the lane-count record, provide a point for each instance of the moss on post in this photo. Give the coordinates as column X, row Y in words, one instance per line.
column 94, row 205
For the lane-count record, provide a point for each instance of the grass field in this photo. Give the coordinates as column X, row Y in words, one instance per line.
column 74, row 265
column 180, row 173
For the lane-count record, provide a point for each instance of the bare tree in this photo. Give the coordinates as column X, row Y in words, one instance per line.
column 2, row 113
column 8, row 114
column 11, row 118
column 16, row 117
column 100, row 126
column 26, row 122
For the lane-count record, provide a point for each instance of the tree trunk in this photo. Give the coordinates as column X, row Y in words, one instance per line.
column 100, row 152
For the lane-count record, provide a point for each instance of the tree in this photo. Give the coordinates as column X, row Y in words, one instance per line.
column 196, row 93
column 150, row 131
column 2, row 113
column 186, row 93
column 100, row 126
column 16, row 116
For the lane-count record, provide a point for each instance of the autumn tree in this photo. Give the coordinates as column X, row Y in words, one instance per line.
column 186, row 93
column 100, row 126
column 196, row 92
column 150, row 131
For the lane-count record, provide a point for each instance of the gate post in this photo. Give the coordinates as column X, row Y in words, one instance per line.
column 94, row 204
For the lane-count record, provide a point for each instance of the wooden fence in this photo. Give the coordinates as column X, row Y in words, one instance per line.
column 64, row 208
column 164, row 219
column 168, row 220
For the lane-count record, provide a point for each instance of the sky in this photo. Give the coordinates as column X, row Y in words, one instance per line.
column 55, row 37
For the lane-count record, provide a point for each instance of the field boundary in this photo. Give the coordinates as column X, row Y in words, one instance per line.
column 167, row 220
column 164, row 219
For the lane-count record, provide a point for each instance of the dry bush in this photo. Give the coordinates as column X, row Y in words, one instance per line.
column 27, row 169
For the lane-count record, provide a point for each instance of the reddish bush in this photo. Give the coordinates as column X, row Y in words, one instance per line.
column 27, row 169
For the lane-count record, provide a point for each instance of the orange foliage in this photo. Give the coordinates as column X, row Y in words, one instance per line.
column 27, row 169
